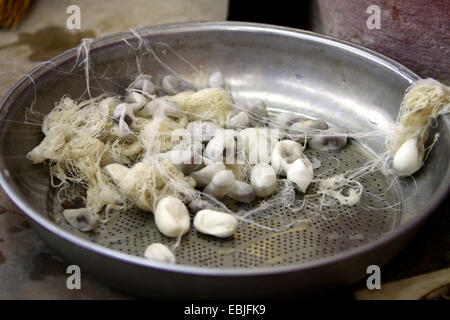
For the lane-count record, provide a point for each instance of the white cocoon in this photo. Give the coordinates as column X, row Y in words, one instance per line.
column 160, row 106
column 301, row 173
column 222, row 147
column 263, row 180
column 285, row 153
column 172, row 217
column 215, row 223
column 158, row 251
column 204, row 176
column 409, row 157
column 238, row 121
column 242, row 192
column 222, row 183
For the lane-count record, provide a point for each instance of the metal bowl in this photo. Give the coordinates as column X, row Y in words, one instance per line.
column 317, row 76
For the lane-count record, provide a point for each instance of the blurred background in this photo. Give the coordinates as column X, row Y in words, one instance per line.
column 415, row 33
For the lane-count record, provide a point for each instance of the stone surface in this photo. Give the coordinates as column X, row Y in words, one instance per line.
column 415, row 33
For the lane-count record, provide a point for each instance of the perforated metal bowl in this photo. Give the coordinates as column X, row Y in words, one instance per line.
column 291, row 70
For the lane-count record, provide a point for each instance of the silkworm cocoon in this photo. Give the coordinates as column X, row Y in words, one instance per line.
column 222, row 147
column 328, row 141
column 135, row 100
column 299, row 130
column 172, row 217
column 222, row 183
column 81, row 219
column 203, row 177
column 160, row 106
column 285, row 153
column 301, row 173
column 216, row 80
column 123, row 114
column 47, row 149
column 212, row 104
column 409, row 157
column 241, row 171
column 238, row 121
column 159, row 252
column 144, row 82
column 173, row 85
column 242, row 192
column 215, row 223
column 423, row 102
column 263, row 179
column 122, row 110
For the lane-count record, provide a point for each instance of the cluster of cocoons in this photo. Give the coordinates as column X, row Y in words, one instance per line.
column 161, row 146
column 123, row 150
column 423, row 102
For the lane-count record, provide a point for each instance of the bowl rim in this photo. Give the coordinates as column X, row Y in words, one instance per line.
column 99, row 43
